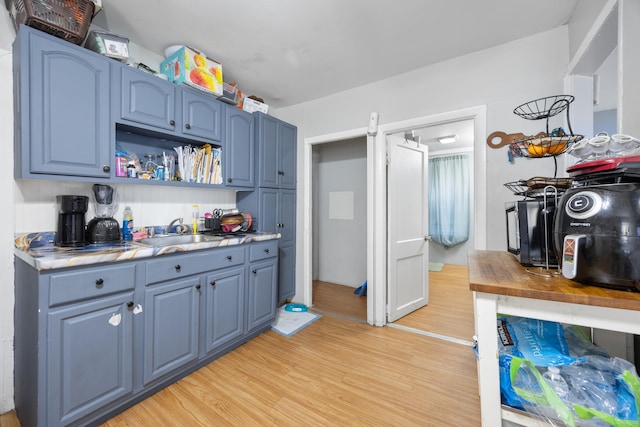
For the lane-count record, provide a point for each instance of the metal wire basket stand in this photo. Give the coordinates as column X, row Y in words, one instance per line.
column 555, row 142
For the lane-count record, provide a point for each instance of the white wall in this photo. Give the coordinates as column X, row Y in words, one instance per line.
column 582, row 19
column 341, row 243
column 500, row 78
column 6, row 215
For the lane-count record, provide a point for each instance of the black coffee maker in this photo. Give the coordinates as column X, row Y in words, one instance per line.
column 71, row 223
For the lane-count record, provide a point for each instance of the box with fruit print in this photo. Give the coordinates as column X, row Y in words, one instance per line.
column 191, row 67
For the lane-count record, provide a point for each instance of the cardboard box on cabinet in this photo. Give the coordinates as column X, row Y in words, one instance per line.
column 191, row 67
column 252, row 105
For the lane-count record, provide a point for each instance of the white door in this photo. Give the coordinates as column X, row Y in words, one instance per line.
column 408, row 227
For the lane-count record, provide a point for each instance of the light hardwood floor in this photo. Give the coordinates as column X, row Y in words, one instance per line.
column 340, row 300
column 448, row 313
column 334, row 372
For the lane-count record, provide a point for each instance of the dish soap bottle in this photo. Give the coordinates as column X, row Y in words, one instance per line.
column 195, row 214
column 127, row 224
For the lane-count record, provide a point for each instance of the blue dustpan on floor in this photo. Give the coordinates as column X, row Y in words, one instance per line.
column 361, row 290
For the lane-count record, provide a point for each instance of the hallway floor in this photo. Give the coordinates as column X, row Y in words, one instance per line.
column 449, row 312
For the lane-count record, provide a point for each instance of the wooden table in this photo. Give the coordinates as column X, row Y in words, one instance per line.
column 501, row 285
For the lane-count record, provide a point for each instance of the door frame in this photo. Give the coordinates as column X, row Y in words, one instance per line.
column 377, row 199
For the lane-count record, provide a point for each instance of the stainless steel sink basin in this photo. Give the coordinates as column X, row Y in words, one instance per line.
column 159, row 241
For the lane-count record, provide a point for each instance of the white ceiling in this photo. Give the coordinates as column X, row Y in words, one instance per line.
column 291, row 51
column 463, row 130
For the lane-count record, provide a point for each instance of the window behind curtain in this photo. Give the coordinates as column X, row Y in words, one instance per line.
column 449, row 199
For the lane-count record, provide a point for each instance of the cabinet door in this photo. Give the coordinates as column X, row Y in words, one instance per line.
column 146, row 99
column 238, row 154
column 225, row 307
column 267, row 151
column 287, row 216
column 288, row 139
column 268, row 218
column 261, row 300
column 201, row 116
column 286, row 272
column 287, row 244
column 65, row 118
column 90, row 357
column 170, row 326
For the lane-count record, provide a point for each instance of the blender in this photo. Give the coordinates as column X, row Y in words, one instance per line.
column 104, row 228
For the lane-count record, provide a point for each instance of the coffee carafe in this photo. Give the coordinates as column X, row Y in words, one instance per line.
column 104, row 228
column 71, row 222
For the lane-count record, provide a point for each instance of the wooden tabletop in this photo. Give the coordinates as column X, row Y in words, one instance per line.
column 499, row 272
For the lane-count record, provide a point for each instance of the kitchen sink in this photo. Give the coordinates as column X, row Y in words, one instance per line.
column 159, row 241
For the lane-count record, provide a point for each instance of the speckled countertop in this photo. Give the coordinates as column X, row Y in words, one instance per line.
column 39, row 251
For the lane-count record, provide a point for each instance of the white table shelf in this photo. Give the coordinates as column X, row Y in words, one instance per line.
column 502, row 286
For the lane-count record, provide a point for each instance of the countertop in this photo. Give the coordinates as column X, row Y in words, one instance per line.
column 39, row 251
column 499, row 272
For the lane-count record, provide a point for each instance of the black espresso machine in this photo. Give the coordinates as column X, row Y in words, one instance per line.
column 597, row 223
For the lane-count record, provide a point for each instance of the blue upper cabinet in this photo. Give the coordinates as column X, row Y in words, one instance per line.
column 73, row 107
column 145, row 99
column 276, row 153
column 201, row 115
column 154, row 104
column 62, row 98
column 239, row 151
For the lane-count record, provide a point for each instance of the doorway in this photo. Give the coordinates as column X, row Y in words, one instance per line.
column 376, row 199
column 339, row 204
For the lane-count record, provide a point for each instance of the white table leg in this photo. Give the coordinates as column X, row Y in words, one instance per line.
column 488, row 370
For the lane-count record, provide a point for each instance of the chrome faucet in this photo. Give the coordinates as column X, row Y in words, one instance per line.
column 168, row 227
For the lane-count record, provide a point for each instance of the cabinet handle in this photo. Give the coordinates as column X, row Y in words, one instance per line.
column 213, row 284
column 229, row 179
column 280, row 173
column 178, row 267
column 99, row 283
column 130, row 304
column 106, row 168
column 267, row 250
column 229, row 257
column 172, row 122
column 187, row 126
column 255, row 271
column 198, row 287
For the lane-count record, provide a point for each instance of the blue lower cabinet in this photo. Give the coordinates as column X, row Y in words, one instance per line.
column 91, row 341
column 225, row 292
column 170, row 326
column 90, row 357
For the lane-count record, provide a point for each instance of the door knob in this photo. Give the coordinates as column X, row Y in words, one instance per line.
column 427, row 238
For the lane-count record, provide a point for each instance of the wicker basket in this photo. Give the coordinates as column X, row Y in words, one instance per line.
column 66, row 19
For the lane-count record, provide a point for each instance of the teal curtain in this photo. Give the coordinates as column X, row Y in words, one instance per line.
column 449, row 198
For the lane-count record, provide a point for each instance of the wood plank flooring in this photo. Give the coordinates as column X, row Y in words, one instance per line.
column 448, row 313
column 334, row 372
column 337, row 299
column 450, row 308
